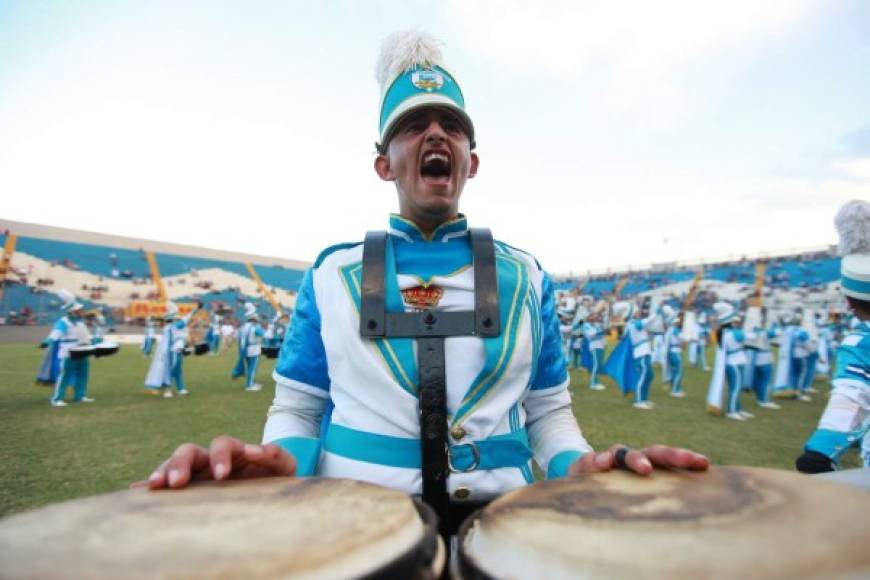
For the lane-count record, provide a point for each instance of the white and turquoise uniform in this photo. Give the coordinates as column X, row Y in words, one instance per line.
column 148, row 343
column 250, row 346
column 70, row 331
column 594, row 335
column 735, row 359
column 674, row 348
column 846, row 419
column 641, row 351
column 167, row 366
column 348, row 407
column 759, row 366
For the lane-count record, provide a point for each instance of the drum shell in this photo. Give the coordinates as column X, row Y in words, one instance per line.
column 80, row 352
column 24, row 535
column 271, row 351
column 106, row 349
column 200, row 348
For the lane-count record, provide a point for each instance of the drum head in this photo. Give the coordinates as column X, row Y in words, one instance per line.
column 266, row 528
column 725, row 523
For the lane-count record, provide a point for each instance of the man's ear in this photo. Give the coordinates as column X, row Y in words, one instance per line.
column 475, row 163
column 383, row 168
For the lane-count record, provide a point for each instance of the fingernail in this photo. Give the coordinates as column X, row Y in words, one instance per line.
column 602, row 459
column 174, row 476
column 220, row 471
column 253, row 449
column 644, row 462
column 154, row 476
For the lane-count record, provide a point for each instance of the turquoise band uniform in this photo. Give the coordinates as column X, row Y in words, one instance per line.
column 833, row 443
column 306, row 451
column 855, row 285
column 508, row 450
column 403, row 88
column 559, row 464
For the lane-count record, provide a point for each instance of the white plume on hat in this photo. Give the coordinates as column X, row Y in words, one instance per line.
column 853, row 226
column 250, row 310
column 669, row 313
column 404, row 50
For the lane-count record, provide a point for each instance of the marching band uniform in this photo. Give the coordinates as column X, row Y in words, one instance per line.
column 759, row 357
column 214, row 335
column 167, row 365
column 791, row 362
column 576, row 338
column 250, row 346
column 846, row 419
column 704, row 334
column 630, row 363
column 730, row 358
column 69, row 331
column 347, row 406
column 593, row 352
column 809, row 348
column 673, row 344
column 148, row 343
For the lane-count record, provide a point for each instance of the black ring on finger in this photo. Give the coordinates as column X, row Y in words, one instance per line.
column 619, row 457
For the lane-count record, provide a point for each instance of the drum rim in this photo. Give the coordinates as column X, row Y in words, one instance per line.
column 418, row 559
column 468, row 566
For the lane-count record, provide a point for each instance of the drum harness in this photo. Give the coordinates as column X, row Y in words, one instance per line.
column 430, row 329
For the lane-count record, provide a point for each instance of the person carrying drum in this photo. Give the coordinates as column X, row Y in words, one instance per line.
column 846, row 420
column 67, row 334
column 427, row 359
column 250, row 345
column 167, row 366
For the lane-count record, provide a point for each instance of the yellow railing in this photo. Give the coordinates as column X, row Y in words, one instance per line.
column 263, row 290
column 155, row 275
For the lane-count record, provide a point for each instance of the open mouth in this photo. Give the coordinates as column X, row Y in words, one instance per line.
column 436, row 167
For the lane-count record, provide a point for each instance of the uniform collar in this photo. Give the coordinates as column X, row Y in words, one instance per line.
column 408, row 230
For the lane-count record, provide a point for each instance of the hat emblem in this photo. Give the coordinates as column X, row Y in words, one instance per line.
column 427, row 79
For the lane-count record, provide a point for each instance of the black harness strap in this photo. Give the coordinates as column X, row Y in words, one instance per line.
column 430, row 328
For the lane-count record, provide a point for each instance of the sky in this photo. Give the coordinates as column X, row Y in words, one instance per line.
column 610, row 133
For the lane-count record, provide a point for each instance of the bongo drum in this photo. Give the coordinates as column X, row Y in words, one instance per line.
column 83, row 351
column 271, row 351
column 728, row 522
column 264, row 528
column 106, row 348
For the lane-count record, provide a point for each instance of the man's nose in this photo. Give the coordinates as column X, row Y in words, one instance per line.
column 435, row 132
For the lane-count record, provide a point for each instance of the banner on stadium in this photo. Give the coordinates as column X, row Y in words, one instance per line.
column 155, row 309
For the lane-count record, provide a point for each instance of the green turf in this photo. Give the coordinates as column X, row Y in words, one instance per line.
column 54, row 454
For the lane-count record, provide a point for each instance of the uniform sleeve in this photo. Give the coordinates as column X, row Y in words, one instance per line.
column 551, row 370
column 554, row 435
column 302, row 361
column 57, row 331
column 301, row 385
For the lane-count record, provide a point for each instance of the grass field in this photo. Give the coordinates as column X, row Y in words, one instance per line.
column 55, row 454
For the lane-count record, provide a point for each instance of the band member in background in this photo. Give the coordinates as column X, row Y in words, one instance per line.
column 630, row 363
column 846, row 419
column 759, row 356
column 728, row 368
column 250, row 346
column 673, row 344
column 167, row 365
column 67, row 333
column 593, row 349
column 148, row 342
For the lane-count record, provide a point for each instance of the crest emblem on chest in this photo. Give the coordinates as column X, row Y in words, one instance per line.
column 422, row 297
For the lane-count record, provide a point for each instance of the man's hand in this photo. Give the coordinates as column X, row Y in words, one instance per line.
column 641, row 461
column 226, row 458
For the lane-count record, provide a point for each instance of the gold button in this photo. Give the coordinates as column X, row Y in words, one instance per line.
column 458, row 432
column 462, row 492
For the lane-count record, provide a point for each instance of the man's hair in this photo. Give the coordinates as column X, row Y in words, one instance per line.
column 861, row 308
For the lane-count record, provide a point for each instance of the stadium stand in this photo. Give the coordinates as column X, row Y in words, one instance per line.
column 111, row 273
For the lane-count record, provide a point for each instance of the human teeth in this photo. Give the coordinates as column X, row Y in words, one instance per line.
column 435, row 157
